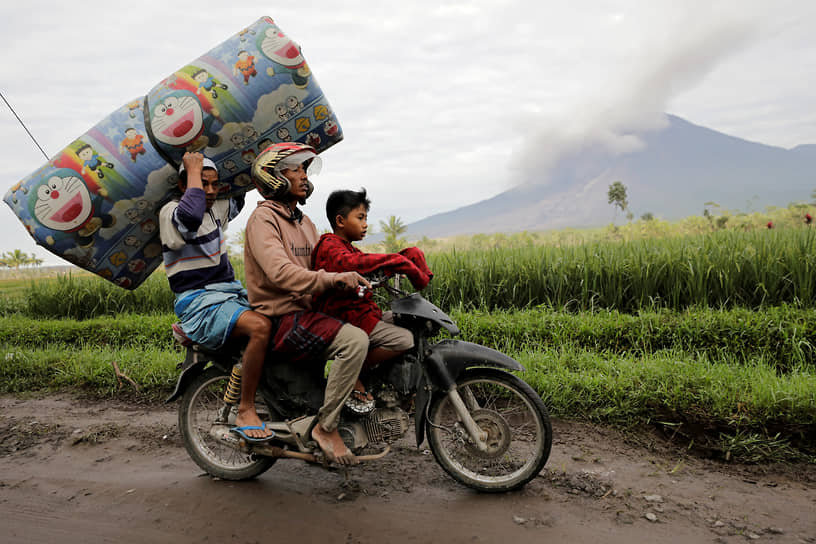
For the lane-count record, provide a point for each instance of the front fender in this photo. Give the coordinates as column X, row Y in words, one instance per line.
column 444, row 362
column 447, row 359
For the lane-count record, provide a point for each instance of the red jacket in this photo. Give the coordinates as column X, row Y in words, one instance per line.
column 333, row 254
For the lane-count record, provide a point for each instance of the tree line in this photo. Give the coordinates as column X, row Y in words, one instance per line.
column 18, row 258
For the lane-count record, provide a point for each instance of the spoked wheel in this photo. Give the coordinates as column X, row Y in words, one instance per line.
column 515, row 421
column 203, row 406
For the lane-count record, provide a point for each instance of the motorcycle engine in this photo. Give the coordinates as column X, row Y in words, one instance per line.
column 382, row 425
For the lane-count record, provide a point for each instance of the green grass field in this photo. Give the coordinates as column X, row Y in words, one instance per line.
column 709, row 335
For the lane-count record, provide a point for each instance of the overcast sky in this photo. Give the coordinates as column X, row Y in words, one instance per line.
column 442, row 104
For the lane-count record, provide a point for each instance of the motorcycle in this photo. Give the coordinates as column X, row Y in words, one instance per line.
column 485, row 426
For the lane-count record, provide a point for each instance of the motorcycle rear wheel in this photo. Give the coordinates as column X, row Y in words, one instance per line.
column 201, row 404
column 519, row 432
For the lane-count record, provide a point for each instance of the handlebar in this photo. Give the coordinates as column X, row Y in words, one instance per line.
column 361, row 289
column 382, row 282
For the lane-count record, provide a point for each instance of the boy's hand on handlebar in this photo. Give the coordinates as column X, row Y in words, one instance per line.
column 350, row 280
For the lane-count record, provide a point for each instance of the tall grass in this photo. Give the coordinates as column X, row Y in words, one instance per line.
column 727, row 268
column 84, row 296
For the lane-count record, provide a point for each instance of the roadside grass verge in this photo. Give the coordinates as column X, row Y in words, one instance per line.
column 125, row 330
column 784, row 336
column 715, row 405
column 734, row 384
column 89, row 371
column 745, row 412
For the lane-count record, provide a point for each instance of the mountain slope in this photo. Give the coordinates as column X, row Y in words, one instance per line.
column 679, row 169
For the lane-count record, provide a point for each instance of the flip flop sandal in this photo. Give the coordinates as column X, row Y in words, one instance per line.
column 240, row 431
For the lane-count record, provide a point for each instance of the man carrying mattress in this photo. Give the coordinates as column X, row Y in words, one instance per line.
column 211, row 305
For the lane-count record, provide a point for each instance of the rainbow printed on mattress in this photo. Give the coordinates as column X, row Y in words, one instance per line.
column 96, row 202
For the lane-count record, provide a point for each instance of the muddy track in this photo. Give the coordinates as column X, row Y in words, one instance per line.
column 73, row 471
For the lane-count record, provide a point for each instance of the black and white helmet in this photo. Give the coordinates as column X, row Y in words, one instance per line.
column 267, row 168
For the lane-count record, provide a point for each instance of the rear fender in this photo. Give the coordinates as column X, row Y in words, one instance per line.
column 194, row 364
column 444, row 363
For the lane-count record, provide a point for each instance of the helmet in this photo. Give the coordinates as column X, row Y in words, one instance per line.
column 267, row 167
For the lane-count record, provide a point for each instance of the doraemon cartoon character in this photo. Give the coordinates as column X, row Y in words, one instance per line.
column 230, row 165
column 331, row 128
column 250, row 133
column 280, row 49
column 124, row 282
column 282, row 112
column 248, row 156
column 148, row 226
column 237, row 140
column 313, row 139
column 294, row 105
column 64, row 203
column 136, row 266
column 283, row 134
column 243, row 180
column 151, row 251
column 133, row 215
column 178, row 120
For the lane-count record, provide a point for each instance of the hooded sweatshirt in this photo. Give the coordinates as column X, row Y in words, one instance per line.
column 277, row 256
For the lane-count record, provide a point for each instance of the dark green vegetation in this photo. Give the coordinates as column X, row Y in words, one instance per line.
column 729, row 268
column 726, row 268
column 710, row 337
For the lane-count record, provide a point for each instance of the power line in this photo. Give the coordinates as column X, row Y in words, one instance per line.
column 25, row 127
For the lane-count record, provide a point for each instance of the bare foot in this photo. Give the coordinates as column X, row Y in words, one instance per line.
column 249, row 418
column 333, row 446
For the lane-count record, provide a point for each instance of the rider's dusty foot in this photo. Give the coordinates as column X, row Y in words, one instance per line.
column 333, row 446
column 249, row 418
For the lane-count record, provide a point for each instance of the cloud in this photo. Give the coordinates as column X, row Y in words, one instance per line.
column 678, row 53
column 441, row 104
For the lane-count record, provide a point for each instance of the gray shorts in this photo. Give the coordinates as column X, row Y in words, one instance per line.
column 388, row 336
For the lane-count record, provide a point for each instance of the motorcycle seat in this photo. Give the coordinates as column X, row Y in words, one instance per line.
column 180, row 337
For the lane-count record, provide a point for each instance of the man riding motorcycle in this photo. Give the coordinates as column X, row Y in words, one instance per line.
column 277, row 257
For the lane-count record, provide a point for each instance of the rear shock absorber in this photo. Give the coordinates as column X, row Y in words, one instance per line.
column 233, row 393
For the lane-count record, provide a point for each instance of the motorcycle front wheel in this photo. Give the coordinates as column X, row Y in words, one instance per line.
column 202, row 406
column 517, row 425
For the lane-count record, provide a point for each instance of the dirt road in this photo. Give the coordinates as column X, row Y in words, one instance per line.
column 76, row 472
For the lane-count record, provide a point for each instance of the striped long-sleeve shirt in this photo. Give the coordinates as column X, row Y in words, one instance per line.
column 194, row 246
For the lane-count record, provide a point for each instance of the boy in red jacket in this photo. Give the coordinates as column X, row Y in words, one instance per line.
column 347, row 212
